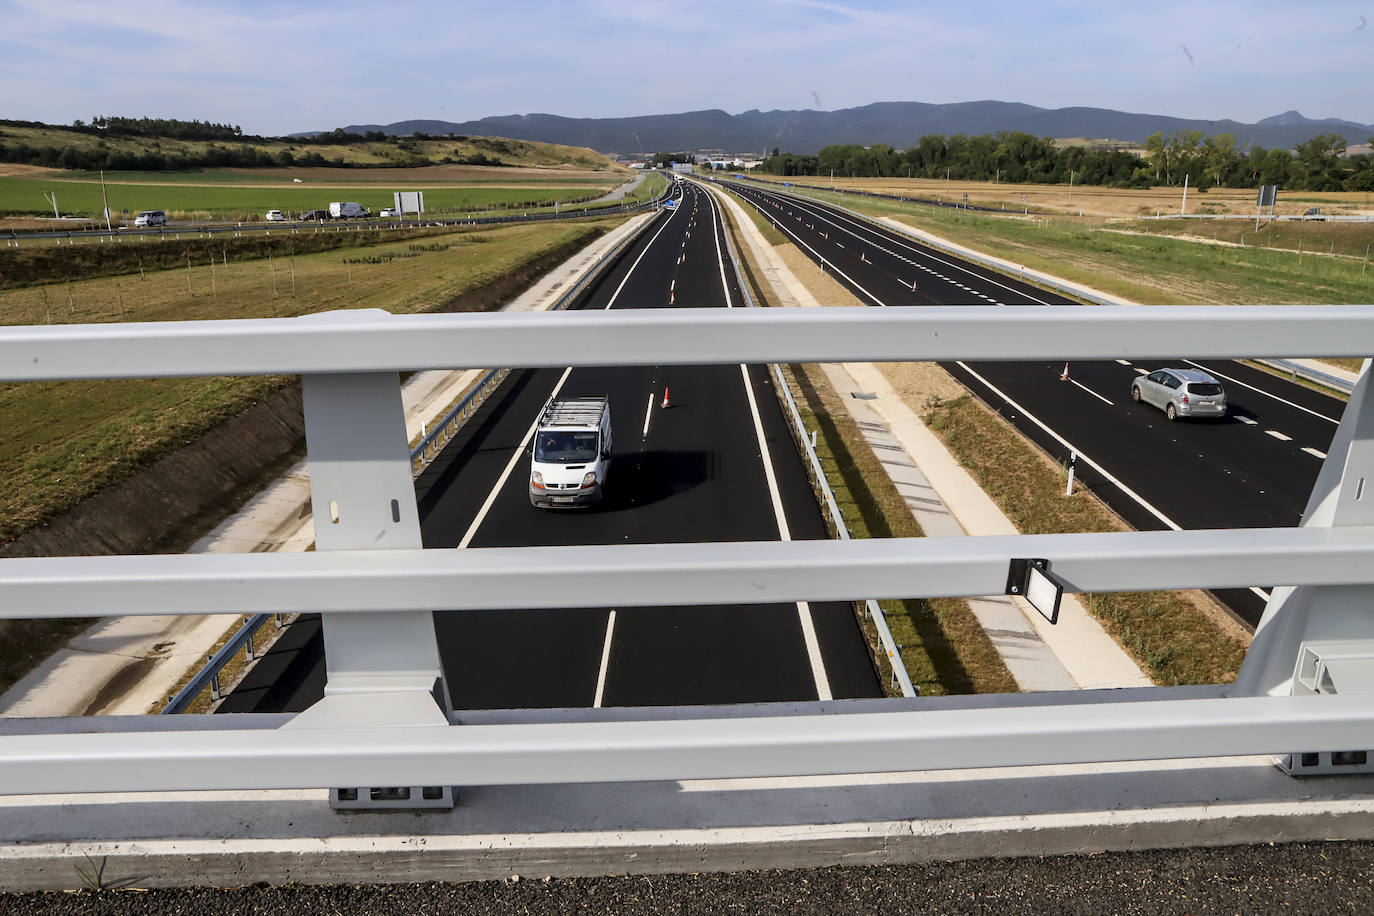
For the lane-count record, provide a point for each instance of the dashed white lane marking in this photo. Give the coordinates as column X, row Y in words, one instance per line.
column 1315, row 453
column 1247, row 421
column 510, row 466
column 649, row 412
column 808, row 626
column 1278, row 435
column 605, row 660
column 1124, row 362
column 1140, row 371
column 1093, row 393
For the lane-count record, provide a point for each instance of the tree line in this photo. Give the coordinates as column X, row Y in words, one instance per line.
column 1013, row 156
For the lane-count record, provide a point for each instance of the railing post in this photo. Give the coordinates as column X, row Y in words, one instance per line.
column 363, row 497
column 362, row 494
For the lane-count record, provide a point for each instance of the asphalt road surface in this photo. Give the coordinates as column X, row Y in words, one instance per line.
column 1255, row 468
column 719, row 464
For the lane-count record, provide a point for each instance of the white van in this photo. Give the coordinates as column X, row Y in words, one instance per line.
column 572, row 453
column 150, row 218
column 344, row 209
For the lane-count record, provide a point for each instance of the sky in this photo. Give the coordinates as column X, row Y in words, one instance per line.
column 282, row 67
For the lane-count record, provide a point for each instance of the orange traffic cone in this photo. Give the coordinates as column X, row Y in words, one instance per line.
column 1065, row 376
column 666, row 402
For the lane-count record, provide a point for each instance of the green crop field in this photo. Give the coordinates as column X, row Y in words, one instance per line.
column 230, row 202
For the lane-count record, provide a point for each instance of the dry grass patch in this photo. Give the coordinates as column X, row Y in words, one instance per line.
column 1091, row 200
column 1175, row 636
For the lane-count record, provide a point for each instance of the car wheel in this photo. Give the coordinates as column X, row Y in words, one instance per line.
column 1135, row 394
column 1170, row 412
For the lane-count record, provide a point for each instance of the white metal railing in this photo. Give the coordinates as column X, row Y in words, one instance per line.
column 383, row 721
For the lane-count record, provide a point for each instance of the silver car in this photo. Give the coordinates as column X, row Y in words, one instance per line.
column 1181, row 393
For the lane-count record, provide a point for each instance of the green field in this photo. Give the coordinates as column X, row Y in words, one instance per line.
column 229, row 202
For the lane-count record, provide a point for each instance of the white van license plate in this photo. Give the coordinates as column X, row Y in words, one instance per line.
column 562, row 499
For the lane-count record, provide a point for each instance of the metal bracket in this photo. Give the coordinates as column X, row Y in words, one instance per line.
column 1332, row 667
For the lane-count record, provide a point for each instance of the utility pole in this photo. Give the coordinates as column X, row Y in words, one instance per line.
column 52, row 195
column 1184, row 209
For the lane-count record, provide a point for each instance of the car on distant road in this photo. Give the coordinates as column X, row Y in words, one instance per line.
column 390, row 213
column 150, row 218
column 1313, row 213
column 1181, row 393
column 315, row 214
column 275, row 216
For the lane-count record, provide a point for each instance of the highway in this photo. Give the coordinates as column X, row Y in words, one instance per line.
column 719, row 464
column 1253, row 469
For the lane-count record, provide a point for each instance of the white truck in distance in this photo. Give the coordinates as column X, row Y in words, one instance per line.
column 347, row 210
column 572, row 453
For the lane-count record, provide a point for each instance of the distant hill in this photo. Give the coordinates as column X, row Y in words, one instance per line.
column 898, row 124
column 62, row 146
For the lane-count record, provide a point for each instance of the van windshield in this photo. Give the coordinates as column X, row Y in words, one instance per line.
column 565, row 447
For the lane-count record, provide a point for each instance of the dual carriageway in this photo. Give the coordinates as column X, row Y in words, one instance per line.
column 721, row 465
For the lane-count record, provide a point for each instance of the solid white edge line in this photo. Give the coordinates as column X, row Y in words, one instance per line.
column 510, row 466
column 808, row 625
column 605, row 660
column 1093, row 393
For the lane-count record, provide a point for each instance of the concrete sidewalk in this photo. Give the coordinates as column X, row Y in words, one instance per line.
column 129, row 665
column 1076, row 652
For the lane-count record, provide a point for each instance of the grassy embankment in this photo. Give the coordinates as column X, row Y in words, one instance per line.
column 108, row 427
column 1174, row 638
column 66, row 440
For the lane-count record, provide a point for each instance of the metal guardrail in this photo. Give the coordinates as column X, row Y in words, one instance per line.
column 379, row 588
column 819, row 479
column 1298, row 370
column 425, row 451
column 208, row 675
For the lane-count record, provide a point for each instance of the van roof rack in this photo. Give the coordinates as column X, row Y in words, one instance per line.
column 575, row 412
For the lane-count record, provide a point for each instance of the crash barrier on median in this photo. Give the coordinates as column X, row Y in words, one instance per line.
column 1303, row 692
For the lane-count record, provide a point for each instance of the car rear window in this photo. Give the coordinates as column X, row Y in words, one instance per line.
column 1205, row 389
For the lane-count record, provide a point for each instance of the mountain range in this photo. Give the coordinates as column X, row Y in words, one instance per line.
column 898, row 124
